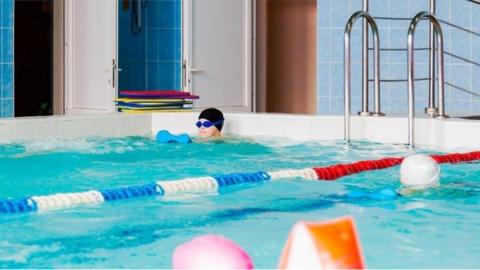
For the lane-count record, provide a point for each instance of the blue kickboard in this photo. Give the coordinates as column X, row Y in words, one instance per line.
column 164, row 136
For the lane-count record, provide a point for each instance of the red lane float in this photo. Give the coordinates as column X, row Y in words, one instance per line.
column 334, row 172
column 457, row 157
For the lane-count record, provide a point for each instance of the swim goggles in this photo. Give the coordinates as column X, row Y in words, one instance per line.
column 207, row 123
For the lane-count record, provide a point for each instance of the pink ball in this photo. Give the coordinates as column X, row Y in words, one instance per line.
column 211, row 252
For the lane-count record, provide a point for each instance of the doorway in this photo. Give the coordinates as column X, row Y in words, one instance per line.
column 33, row 57
column 39, row 27
column 286, row 56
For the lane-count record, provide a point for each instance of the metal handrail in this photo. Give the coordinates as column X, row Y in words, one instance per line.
column 365, row 64
column 431, row 110
column 410, row 71
column 347, row 68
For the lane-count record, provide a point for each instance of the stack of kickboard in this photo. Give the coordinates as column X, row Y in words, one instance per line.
column 154, row 101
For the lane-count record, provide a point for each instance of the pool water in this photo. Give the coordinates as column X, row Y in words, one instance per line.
column 432, row 229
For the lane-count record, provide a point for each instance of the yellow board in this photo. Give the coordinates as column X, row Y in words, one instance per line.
column 152, row 111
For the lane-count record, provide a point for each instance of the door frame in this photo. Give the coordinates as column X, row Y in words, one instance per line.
column 265, row 11
column 58, row 57
column 68, row 63
column 249, row 35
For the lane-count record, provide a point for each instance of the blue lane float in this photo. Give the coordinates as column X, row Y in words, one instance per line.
column 241, row 178
column 17, row 206
column 131, row 192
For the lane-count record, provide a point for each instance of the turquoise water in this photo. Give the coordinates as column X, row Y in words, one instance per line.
column 435, row 229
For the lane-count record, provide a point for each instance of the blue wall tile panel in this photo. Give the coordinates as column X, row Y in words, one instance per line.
column 6, row 58
column 152, row 59
column 460, row 20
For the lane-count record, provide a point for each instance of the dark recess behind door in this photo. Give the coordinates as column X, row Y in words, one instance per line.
column 33, row 57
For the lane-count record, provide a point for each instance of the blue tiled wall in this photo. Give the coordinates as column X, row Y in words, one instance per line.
column 151, row 60
column 460, row 20
column 131, row 53
column 6, row 58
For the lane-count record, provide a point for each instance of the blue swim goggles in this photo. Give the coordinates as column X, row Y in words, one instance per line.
column 207, row 123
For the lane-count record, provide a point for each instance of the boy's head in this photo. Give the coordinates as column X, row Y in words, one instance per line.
column 210, row 123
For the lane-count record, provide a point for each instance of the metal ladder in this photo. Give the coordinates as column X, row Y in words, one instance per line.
column 435, row 32
column 431, row 110
column 347, row 70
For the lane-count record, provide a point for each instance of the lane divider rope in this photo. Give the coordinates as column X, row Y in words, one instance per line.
column 209, row 184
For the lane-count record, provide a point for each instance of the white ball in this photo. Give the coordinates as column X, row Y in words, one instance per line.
column 419, row 172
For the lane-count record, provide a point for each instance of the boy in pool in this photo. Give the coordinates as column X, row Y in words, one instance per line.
column 210, row 123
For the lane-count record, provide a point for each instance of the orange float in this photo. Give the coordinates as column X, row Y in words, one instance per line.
column 322, row 245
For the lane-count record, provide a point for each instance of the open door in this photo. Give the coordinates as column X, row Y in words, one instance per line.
column 90, row 56
column 218, row 50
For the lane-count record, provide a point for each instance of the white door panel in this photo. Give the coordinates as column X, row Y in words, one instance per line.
column 218, row 47
column 90, row 51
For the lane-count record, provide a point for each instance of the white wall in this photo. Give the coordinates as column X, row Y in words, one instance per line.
column 457, row 134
